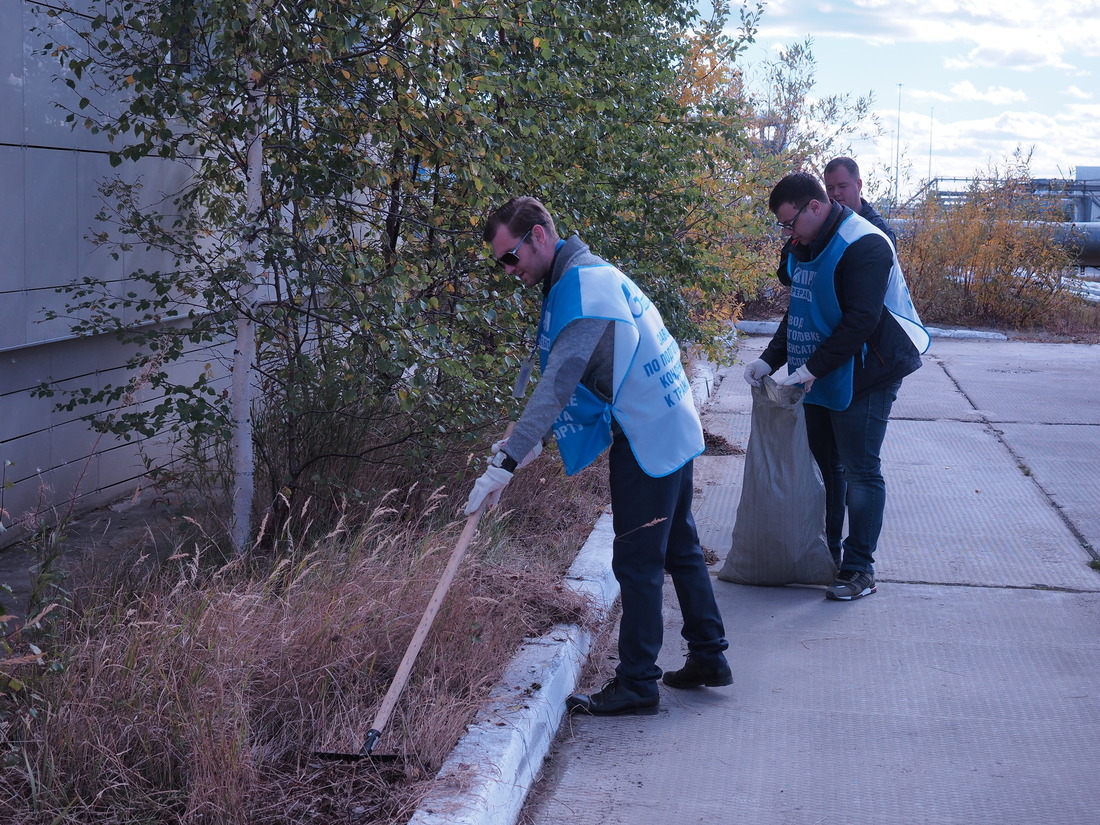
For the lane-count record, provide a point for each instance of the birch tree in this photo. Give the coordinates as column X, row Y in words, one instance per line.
column 344, row 158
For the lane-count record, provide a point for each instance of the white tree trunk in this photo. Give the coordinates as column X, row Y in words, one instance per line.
column 244, row 353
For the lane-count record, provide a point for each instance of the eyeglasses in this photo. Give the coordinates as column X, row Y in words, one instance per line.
column 510, row 258
column 788, row 226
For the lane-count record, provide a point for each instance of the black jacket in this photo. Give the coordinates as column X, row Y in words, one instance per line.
column 868, row 333
column 872, row 216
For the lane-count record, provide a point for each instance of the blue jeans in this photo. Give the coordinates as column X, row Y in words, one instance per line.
column 641, row 554
column 846, row 446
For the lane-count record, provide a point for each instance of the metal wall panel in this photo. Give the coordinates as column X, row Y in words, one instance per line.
column 43, row 122
column 160, row 181
column 65, row 483
column 49, row 448
column 95, row 262
column 24, row 458
column 72, row 441
column 49, row 196
column 11, row 72
column 22, row 412
column 53, row 238
column 121, row 465
column 12, row 259
column 13, row 319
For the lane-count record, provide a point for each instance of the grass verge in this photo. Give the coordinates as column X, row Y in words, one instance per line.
column 196, row 693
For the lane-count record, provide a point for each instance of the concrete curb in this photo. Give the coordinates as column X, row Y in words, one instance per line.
column 975, row 334
column 486, row 778
column 769, row 328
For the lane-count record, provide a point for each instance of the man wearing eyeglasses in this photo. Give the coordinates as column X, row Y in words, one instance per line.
column 843, row 185
column 612, row 378
column 850, row 335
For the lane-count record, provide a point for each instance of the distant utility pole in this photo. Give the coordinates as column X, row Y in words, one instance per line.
column 897, row 153
column 931, row 120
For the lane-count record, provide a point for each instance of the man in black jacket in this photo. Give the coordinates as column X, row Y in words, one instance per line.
column 844, row 185
column 850, row 335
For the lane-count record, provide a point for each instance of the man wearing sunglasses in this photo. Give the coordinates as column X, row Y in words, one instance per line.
column 612, row 378
column 850, row 335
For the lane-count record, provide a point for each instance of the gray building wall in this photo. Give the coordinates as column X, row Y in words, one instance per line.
column 49, row 177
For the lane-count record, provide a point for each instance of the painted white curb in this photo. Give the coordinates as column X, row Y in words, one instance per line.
column 769, row 328
column 975, row 334
column 486, row 778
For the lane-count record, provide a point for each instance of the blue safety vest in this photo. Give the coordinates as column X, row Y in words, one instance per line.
column 651, row 397
column 815, row 311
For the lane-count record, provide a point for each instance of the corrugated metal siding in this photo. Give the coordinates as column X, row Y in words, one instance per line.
column 49, row 176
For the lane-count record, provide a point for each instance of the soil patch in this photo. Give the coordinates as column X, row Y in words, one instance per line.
column 136, row 530
column 719, row 445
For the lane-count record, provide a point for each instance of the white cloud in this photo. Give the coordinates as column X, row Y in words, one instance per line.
column 1024, row 35
column 1084, row 113
column 965, row 91
column 928, row 94
column 1021, row 58
column 997, row 95
column 965, row 58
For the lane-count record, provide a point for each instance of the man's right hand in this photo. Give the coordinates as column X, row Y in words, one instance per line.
column 756, row 370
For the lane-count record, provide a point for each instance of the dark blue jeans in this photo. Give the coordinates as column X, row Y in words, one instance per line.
column 846, row 446
column 641, row 554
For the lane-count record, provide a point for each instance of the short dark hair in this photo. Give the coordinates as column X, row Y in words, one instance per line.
column 847, row 163
column 520, row 215
column 797, row 189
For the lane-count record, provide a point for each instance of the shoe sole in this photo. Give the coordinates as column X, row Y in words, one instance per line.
column 691, row 685
column 836, row 598
column 651, row 711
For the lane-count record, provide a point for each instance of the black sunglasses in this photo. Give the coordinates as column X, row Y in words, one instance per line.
column 510, row 258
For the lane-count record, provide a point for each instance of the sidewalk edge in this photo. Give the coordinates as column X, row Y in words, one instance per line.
column 486, row 778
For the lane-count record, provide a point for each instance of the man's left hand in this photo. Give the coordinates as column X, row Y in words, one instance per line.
column 800, row 376
column 531, row 456
column 487, row 489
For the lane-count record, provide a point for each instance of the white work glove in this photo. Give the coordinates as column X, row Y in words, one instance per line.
column 756, row 370
column 487, row 489
column 800, row 376
column 531, row 456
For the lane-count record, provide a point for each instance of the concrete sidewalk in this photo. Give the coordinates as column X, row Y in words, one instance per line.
column 967, row 690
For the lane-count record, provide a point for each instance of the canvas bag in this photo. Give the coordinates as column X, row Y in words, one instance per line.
column 779, row 534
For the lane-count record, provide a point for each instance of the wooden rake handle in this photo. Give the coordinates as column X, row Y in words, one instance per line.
column 404, row 670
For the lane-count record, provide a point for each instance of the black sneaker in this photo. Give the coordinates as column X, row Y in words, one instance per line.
column 615, row 699
column 850, row 585
column 700, row 673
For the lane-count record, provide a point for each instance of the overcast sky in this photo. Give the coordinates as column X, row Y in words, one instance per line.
column 978, row 77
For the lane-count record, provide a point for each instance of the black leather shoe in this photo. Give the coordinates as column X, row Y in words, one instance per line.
column 696, row 673
column 613, row 700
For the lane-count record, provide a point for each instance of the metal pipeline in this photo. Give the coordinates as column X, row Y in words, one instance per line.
column 1083, row 238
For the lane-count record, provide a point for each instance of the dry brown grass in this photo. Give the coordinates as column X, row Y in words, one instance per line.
column 994, row 260
column 197, row 694
column 991, row 261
